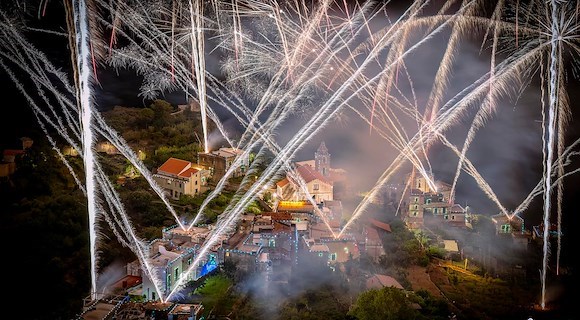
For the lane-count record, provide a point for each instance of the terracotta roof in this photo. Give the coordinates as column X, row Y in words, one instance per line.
column 282, row 182
column 381, row 225
column 276, row 216
column 378, row 281
column 177, row 167
column 280, row 227
column 13, row 152
column 309, row 174
column 188, row 172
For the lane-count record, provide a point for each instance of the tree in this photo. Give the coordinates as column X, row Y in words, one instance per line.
column 384, row 304
column 162, row 110
column 215, row 293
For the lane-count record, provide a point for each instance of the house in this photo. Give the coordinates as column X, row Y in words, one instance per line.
column 179, row 177
column 337, row 177
column 379, row 281
column 370, row 240
column 538, row 231
column 69, row 151
column 186, row 311
column 172, row 257
column 26, row 142
column 458, row 216
column 106, row 147
column 451, row 248
column 218, row 162
column 507, row 224
column 414, row 217
column 316, row 185
column 373, row 245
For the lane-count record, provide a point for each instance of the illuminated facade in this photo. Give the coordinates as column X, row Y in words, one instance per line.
column 179, row 177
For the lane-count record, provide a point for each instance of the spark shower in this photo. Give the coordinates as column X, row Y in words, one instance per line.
column 280, row 59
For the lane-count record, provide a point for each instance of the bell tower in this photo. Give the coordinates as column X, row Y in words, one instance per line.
column 322, row 160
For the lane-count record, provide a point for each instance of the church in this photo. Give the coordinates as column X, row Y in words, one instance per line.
column 319, row 180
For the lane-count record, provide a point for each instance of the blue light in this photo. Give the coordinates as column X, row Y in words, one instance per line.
column 210, row 266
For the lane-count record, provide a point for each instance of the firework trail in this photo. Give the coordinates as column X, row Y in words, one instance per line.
column 83, row 69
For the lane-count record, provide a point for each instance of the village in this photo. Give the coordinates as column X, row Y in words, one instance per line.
column 299, row 221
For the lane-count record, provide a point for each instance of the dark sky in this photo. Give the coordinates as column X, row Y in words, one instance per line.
column 506, row 151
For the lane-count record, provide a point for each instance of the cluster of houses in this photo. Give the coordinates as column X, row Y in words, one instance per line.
column 305, row 221
column 304, row 224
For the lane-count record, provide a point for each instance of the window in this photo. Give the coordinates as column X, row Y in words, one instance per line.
column 169, row 281
column 316, row 186
column 428, row 201
column 435, row 210
column 333, row 257
column 505, row 228
column 271, row 243
column 196, row 182
column 176, row 273
column 416, row 199
column 189, row 261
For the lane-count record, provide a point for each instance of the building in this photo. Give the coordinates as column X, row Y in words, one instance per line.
column 179, row 177
column 379, row 281
column 218, row 162
column 337, row 177
column 316, row 185
column 459, row 216
column 172, row 257
column 507, row 224
column 414, row 217
column 106, row 147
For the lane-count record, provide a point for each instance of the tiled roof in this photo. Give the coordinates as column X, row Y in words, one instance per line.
column 276, row 216
column 309, row 174
column 282, row 182
column 188, row 172
column 13, row 152
column 381, row 225
column 177, row 167
column 378, row 281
